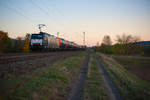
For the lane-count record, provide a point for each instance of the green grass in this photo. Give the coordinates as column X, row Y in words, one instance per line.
column 130, row 86
column 53, row 82
column 94, row 87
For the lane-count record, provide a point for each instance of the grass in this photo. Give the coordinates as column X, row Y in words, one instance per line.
column 130, row 86
column 133, row 61
column 94, row 86
column 47, row 83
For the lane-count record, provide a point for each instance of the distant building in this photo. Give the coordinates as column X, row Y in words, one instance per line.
column 146, row 47
column 143, row 43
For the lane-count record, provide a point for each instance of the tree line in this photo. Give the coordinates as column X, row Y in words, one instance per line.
column 8, row 44
column 125, row 45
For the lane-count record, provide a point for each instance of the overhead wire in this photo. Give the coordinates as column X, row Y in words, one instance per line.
column 55, row 9
column 48, row 10
column 48, row 7
column 34, row 4
column 60, row 12
column 43, row 10
column 8, row 6
column 19, row 11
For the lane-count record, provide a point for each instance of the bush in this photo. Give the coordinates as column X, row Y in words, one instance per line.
column 105, row 49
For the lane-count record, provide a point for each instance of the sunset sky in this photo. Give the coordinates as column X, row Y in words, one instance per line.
column 73, row 17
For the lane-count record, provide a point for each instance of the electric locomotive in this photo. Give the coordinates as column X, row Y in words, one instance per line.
column 45, row 41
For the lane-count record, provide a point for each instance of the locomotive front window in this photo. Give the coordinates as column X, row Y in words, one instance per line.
column 36, row 36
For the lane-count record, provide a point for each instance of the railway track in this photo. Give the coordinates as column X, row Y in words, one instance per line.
column 19, row 65
column 21, row 58
column 31, row 56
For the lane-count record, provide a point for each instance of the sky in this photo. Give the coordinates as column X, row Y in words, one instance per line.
column 73, row 17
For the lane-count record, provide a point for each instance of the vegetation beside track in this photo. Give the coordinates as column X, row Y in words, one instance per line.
column 46, row 83
column 130, row 86
column 94, row 86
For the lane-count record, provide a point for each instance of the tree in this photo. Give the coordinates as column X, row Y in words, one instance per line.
column 126, row 44
column 106, row 45
column 26, row 47
column 19, row 44
column 5, row 42
column 107, row 40
column 126, row 39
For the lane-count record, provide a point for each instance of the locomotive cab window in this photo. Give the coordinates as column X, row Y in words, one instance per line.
column 36, row 36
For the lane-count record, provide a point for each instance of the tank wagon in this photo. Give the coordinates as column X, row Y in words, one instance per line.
column 45, row 41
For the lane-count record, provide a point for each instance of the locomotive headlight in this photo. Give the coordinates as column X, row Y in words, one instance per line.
column 40, row 41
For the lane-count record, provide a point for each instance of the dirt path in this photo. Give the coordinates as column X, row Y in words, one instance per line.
column 112, row 91
column 77, row 91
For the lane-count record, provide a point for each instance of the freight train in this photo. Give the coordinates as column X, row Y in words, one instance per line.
column 45, row 41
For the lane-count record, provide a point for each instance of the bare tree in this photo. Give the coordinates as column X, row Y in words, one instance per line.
column 127, row 44
column 126, row 39
column 107, row 40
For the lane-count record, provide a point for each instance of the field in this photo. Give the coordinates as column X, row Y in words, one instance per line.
column 139, row 66
column 129, row 85
column 52, row 81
